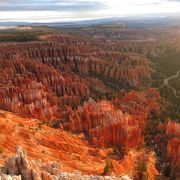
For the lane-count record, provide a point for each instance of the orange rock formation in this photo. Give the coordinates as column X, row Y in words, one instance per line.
column 173, row 146
column 48, row 144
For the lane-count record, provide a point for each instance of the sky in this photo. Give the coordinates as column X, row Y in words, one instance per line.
column 76, row 10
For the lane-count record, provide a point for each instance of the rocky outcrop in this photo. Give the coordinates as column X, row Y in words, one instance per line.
column 173, row 146
column 134, row 102
column 169, row 141
column 146, row 166
column 105, row 125
column 73, row 151
column 173, row 150
column 48, row 144
column 119, row 123
column 173, row 129
column 120, row 131
column 36, row 90
column 20, row 167
column 69, row 53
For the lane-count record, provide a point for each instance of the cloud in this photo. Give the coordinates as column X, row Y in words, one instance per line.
column 50, row 5
column 147, row 4
column 173, row 0
column 61, row 10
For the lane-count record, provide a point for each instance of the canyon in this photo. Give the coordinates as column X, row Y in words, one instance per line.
column 80, row 106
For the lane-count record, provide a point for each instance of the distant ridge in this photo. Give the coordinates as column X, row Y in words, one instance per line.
column 134, row 21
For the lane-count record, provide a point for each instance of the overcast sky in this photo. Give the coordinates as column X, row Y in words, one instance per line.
column 70, row 10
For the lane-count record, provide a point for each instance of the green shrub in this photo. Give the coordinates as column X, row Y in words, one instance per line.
column 1, row 150
column 107, row 167
column 142, row 170
column 55, row 124
column 167, row 171
column 21, row 125
column 19, row 36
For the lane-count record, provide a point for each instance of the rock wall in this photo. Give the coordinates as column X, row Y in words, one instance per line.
column 20, row 167
column 43, row 79
column 113, row 123
column 173, row 146
column 173, row 128
column 37, row 90
column 72, row 151
column 77, row 55
column 105, row 125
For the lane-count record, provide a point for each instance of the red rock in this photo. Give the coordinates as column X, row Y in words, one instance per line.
column 106, row 124
column 173, row 145
column 77, row 55
column 33, row 89
column 173, row 128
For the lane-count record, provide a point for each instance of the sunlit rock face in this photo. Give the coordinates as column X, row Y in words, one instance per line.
column 120, row 122
column 36, row 90
column 173, row 146
column 173, row 128
column 41, row 79
column 19, row 167
column 83, row 56
column 56, row 145
column 105, row 125
column 171, row 131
